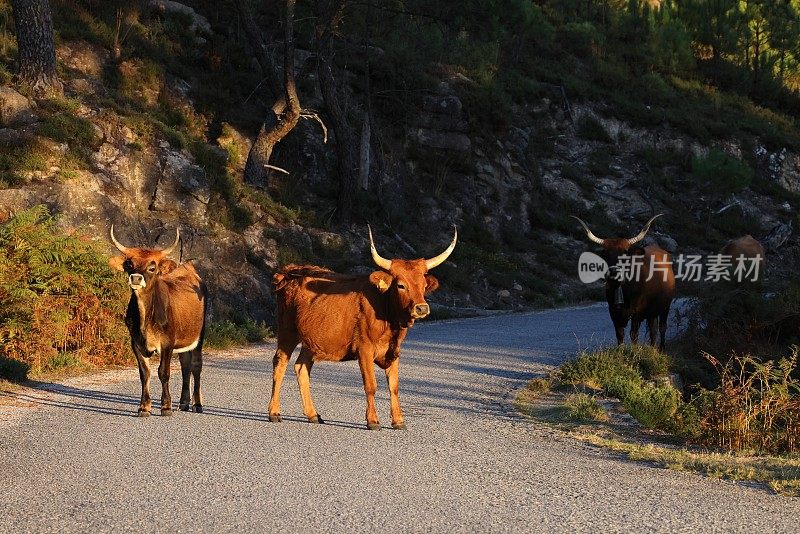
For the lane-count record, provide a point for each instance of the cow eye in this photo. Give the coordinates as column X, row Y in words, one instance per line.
column 151, row 269
column 401, row 285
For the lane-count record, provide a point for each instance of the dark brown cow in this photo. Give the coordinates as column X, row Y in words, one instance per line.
column 746, row 247
column 339, row 317
column 639, row 299
column 166, row 315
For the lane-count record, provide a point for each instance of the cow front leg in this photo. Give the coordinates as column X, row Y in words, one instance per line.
column 197, row 368
column 393, row 381
column 367, row 366
column 163, row 375
column 279, row 363
column 302, row 368
column 145, row 404
column 186, row 373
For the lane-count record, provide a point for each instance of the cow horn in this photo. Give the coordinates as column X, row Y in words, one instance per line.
column 169, row 250
column 122, row 248
column 379, row 260
column 438, row 260
column 644, row 231
column 593, row 238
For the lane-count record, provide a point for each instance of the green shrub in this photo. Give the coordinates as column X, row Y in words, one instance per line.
column 61, row 305
column 226, row 334
column 652, row 406
column 583, row 407
column 631, row 362
column 722, row 172
column 67, row 128
column 589, row 128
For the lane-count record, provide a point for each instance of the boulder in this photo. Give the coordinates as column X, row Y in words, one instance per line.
column 15, row 109
column 449, row 141
column 181, row 187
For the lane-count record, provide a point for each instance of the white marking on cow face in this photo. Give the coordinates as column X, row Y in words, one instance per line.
column 136, row 281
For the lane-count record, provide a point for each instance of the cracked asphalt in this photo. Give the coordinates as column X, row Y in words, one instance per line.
column 73, row 458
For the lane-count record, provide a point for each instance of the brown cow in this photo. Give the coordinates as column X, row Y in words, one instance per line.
column 340, row 317
column 166, row 315
column 746, row 247
column 647, row 296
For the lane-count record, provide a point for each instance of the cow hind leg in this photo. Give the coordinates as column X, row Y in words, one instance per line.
column 186, row 373
column 367, row 366
column 163, row 375
column 662, row 328
column 652, row 324
column 279, row 363
column 635, row 323
column 197, row 368
column 393, row 381
column 302, row 368
column 145, row 405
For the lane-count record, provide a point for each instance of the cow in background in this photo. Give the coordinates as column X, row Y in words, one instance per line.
column 746, row 248
column 340, row 317
column 648, row 296
column 166, row 315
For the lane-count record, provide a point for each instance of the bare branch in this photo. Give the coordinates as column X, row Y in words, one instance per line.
column 313, row 115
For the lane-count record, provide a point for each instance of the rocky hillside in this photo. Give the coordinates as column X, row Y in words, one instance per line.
column 158, row 137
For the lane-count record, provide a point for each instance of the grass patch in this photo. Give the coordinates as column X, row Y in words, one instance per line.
column 589, row 128
column 584, row 407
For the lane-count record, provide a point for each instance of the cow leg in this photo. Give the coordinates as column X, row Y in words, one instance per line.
column 393, row 381
column 302, row 368
column 367, row 366
column 186, row 373
column 662, row 328
column 635, row 330
column 197, row 368
column 163, row 375
column 145, row 405
column 652, row 324
column 279, row 363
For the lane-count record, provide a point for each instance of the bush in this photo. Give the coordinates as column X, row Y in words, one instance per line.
column 227, row 334
column 589, row 128
column 755, row 407
column 628, row 362
column 583, row 407
column 722, row 172
column 61, row 305
column 652, row 406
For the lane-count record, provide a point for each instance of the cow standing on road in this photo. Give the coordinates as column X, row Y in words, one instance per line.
column 340, row 317
column 166, row 315
column 647, row 295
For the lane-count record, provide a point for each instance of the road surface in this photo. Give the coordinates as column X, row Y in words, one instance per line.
column 76, row 460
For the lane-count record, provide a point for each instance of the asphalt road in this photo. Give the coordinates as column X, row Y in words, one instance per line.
column 75, row 459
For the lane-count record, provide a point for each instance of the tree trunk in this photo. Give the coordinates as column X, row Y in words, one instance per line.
column 345, row 136
column 285, row 112
column 37, row 53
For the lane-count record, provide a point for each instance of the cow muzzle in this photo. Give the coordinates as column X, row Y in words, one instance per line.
column 136, row 281
column 420, row 311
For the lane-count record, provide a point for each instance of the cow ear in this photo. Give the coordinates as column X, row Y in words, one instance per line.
column 167, row 266
column 382, row 280
column 116, row 263
column 431, row 283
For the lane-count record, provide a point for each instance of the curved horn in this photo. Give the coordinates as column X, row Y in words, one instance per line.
column 644, row 231
column 438, row 260
column 379, row 260
column 169, row 249
column 122, row 248
column 593, row 238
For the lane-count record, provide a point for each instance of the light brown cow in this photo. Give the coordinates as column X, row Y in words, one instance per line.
column 339, row 317
column 166, row 315
column 746, row 247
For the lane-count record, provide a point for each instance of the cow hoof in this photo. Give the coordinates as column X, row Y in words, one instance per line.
column 143, row 413
column 185, row 407
column 166, row 413
column 399, row 426
column 317, row 420
column 275, row 418
column 198, row 409
column 374, row 426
